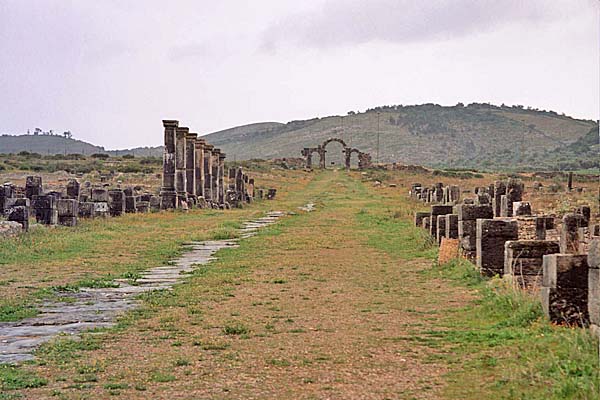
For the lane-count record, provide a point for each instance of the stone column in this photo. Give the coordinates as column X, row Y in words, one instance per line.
column 180, row 165
column 492, row 234
column 168, row 194
column 215, row 175
column 570, row 182
column 322, row 152
column 208, row 194
column 499, row 191
column 221, row 176
column 594, row 282
column 451, row 226
column 190, row 165
column 199, row 166
column 348, row 153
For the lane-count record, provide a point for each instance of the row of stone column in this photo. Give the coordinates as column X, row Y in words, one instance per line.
column 524, row 248
column 193, row 170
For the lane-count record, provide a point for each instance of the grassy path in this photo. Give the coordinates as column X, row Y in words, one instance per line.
column 339, row 303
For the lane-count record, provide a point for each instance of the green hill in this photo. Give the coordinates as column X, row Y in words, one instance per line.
column 478, row 135
column 45, row 144
column 474, row 136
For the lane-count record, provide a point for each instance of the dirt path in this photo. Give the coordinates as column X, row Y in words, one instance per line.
column 306, row 309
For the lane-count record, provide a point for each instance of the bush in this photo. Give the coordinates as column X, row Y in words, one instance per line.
column 128, row 157
column 100, row 156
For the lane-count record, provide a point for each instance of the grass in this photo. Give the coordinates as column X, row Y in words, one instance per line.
column 347, row 290
column 511, row 350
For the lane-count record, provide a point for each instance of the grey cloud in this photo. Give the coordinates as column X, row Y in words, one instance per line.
column 343, row 22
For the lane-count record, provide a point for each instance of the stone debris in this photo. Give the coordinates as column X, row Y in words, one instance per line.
column 75, row 313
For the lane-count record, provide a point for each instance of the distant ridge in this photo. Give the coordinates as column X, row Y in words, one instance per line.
column 479, row 135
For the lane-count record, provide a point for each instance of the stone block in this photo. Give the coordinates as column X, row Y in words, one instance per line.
column 521, row 208
column 426, row 223
column 471, row 212
column 73, row 189
column 130, row 204
column 116, row 202
column 419, row 218
column 565, row 271
column 47, row 216
column 142, row 206
column 451, row 226
column 567, row 306
column 569, row 235
column 594, row 254
column 594, row 295
column 524, row 258
column 100, row 195
column 86, row 209
column 467, row 234
column 67, row 208
column 441, row 228
column 10, row 229
column 435, row 211
column 492, row 234
column 19, row 214
column 67, row 221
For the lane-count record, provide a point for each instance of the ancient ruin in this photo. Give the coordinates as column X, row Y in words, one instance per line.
column 364, row 159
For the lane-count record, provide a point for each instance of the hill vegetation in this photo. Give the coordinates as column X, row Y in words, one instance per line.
column 480, row 136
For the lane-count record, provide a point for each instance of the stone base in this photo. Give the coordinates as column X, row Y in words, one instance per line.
column 566, row 306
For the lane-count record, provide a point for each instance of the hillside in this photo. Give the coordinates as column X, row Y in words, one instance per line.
column 475, row 136
column 44, row 145
column 478, row 135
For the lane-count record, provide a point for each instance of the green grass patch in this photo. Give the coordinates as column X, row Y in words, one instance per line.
column 15, row 378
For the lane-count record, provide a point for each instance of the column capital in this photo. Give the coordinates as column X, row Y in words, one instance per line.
column 191, row 135
column 208, row 146
column 182, row 130
column 170, row 123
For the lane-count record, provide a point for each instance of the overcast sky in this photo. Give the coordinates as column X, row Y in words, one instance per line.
column 111, row 70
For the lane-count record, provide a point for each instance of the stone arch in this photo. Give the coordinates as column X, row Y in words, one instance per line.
column 307, row 152
column 348, row 152
column 323, row 151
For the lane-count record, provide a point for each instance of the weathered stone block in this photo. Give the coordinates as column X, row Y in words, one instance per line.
column 47, row 216
column 130, row 204
column 524, row 258
column 441, row 228
column 569, row 235
column 67, row 208
column 470, row 212
column 419, row 217
column 116, row 202
column 594, row 254
column 435, row 211
column 467, row 234
column 67, row 221
column 426, row 223
column 452, row 226
column 492, row 234
column 565, row 305
column 521, row 208
column 565, row 271
column 100, row 195
column 19, row 214
column 73, row 189
column 594, row 295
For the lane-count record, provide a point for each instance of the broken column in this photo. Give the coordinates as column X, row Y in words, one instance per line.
column 190, row 166
column 514, row 192
column 130, row 201
column 215, row 175
column 492, row 234
column 68, row 210
column 570, row 233
column 565, row 288
column 180, row 166
column 168, row 194
column 523, row 260
column 499, row 191
column 467, row 226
